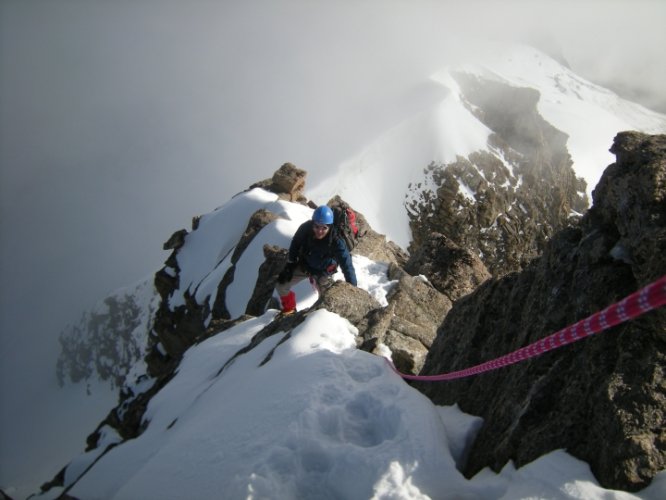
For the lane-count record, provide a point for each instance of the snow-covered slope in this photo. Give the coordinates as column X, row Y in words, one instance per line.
column 319, row 419
column 589, row 114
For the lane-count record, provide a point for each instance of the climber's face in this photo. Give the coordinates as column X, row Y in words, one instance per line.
column 320, row 230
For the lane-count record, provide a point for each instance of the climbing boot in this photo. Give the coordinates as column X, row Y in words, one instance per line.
column 288, row 303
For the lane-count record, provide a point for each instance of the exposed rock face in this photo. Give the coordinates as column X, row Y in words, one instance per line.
column 408, row 325
column 176, row 241
column 109, row 339
column 287, row 182
column 631, row 196
column 504, row 205
column 603, row 399
column 274, row 260
column 452, row 270
column 348, row 301
column 257, row 222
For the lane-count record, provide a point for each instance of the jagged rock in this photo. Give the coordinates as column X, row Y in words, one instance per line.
column 274, row 261
column 257, row 222
column 181, row 327
column 452, row 270
column 128, row 417
column 288, row 182
column 176, row 241
column 166, row 281
column 289, row 179
column 348, row 301
column 631, row 196
column 219, row 325
column 602, row 398
column 504, row 215
column 408, row 325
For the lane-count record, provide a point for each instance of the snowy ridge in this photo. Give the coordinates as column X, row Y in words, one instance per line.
column 206, row 255
column 318, row 418
column 589, row 114
column 398, row 158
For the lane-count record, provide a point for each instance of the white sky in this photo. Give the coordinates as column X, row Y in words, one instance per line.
column 321, row 419
column 119, row 121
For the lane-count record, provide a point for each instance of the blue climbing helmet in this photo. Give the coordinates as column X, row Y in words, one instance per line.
column 323, row 215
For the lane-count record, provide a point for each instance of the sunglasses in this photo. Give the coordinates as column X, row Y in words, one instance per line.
column 321, row 227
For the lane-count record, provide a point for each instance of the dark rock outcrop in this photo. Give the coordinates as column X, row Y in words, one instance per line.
column 176, row 240
column 287, row 182
column 274, row 260
column 257, row 222
column 408, row 325
column 452, row 270
column 603, row 399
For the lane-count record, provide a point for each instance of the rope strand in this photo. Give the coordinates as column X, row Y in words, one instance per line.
column 646, row 299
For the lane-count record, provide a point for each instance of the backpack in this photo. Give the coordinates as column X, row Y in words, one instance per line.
column 344, row 224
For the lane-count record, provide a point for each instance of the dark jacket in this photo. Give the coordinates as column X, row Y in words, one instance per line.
column 321, row 256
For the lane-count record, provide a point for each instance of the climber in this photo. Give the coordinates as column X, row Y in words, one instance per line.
column 315, row 252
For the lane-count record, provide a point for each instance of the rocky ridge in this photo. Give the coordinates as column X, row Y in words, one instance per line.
column 602, row 399
column 443, row 286
column 504, row 203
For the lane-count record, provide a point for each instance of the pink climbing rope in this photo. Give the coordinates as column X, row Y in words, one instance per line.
column 646, row 299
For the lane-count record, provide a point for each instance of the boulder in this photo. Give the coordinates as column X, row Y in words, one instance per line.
column 348, row 301
column 408, row 325
column 288, row 182
column 452, row 270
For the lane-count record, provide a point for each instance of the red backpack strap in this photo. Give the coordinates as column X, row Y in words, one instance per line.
column 351, row 217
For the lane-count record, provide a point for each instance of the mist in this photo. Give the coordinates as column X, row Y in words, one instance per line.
column 120, row 121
